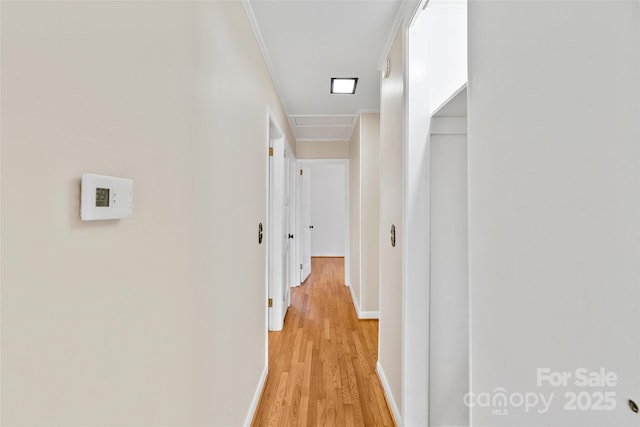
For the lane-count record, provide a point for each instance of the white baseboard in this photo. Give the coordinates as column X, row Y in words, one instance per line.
column 256, row 398
column 354, row 299
column 362, row 314
column 387, row 393
column 369, row 315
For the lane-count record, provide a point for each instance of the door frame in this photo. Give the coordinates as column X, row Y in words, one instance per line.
column 345, row 162
column 416, row 233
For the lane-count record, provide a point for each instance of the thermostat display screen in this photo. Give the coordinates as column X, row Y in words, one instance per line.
column 102, row 197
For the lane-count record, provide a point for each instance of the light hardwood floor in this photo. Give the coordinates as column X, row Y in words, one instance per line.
column 322, row 365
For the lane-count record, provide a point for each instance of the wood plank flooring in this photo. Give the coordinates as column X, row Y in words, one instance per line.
column 322, row 365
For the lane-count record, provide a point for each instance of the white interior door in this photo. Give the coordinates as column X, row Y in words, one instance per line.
column 273, row 235
column 287, row 230
column 305, row 179
column 278, row 231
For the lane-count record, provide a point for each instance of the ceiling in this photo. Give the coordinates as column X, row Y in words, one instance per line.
column 306, row 42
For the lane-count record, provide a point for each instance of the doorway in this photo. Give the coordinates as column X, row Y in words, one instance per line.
column 325, row 207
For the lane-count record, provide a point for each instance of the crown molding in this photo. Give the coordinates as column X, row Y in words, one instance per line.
column 263, row 48
column 406, row 10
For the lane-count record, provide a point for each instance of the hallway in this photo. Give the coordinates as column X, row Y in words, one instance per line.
column 322, row 365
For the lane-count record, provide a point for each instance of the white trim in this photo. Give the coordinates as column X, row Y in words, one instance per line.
column 354, row 299
column 256, row 398
column 388, row 394
column 361, row 314
column 414, row 398
column 263, row 48
column 407, row 9
column 391, row 37
column 369, row 315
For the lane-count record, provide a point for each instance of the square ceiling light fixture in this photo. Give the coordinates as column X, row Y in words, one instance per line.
column 344, row 85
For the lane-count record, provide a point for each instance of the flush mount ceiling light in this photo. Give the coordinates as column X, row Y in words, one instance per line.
column 344, row 85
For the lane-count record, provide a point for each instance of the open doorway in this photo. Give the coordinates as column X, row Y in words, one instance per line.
column 324, row 211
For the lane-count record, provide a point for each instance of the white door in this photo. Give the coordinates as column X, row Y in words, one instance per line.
column 278, row 231
column 305, row 179
column 273, row 236
column 287, row 230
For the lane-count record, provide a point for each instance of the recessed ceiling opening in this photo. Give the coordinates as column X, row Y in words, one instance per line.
column 344, row 85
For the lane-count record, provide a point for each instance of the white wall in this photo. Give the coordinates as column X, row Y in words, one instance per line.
column 416, row 234
column 329, row 202
column 446, row 48
column 323, row 150
column 160, row 319
column 554, row 206
column 449, row 294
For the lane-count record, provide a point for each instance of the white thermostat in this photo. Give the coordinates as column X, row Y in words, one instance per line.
column 105, row 197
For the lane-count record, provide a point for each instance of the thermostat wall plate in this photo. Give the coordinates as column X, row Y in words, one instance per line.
column 105, row 197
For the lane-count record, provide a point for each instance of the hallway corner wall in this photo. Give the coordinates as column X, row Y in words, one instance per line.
column 364, row 191
column 370, row 212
